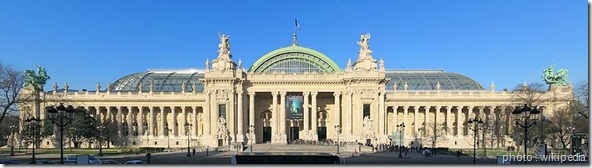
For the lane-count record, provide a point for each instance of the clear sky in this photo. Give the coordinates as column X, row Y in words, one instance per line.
column 83, row 42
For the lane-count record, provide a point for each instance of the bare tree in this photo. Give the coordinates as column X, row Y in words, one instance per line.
column 582, row 99
column 559, row 127
column 11, row 84
column 435, row 131
column 531, row 95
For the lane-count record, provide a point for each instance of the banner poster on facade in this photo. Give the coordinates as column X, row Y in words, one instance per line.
column 294, row 107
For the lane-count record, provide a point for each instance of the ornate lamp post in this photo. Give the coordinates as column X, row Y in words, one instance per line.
column 188, row 132
column 251, row 132
column 338, row 130
column 571, row 137
column 13, row 128
column 33, row 121
column 526, row 117
column 475, row 122
column 401, row 128
column 101, row 128
column 61, row 116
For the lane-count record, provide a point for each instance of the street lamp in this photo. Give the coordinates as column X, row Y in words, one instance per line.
column 476, row 122
column 61, row 116
column 13, row 128
column 571, row 137
column 188, row 132
column 34, row 121
column 100, row 129
column 251, row 132
column 338, row 130
column 401, row 128
column 526, row 115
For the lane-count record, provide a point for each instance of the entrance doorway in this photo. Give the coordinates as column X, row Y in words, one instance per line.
column 266, row 134
column 294, row 134
column 322, row 132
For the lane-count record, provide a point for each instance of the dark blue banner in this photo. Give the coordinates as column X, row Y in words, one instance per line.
column 294, row 107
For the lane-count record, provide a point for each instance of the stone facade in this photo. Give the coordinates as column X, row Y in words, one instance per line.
column 331, row 98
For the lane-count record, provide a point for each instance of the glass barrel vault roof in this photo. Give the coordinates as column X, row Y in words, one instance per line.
column 428, row 79
column 163, row 81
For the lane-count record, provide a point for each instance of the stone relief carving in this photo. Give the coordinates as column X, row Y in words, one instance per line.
column 224, row 61
column 222, row 129
column 367, row 128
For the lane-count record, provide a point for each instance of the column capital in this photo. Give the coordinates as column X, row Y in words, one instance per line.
column 337, row 93
column 314, row 93
column 305, row 93
column 251, row 93
column 283, row 93
column 274, row 93
column 239, row 91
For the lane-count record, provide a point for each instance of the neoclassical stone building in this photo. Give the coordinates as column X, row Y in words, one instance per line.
column 297, row 93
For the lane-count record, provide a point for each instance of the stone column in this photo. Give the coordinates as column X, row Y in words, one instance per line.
column 447, row 118
column 130, row 128
column 395, row 118
column 185, row 121
column 240, row 123
column 119, row 121
column 252, row 113
column 109, row 115
column 407, row 124
column 436, row 116
column 305, row 107
column 469, row 111
column 282, row 120
column 425, row 120
column 458, row 124
column 347, row 113
column 275, row 114
column 415, row 111
column 194, row 118
column 151, row 122
column 141, row 121
column 380, row 118
column 314, row 118
column 337, row 109
column 163, row 129
column 207, row 111
column 174, row 122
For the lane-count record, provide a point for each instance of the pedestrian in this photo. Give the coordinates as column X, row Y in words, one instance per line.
column 148, row 156
column 193, row 151
column 458, row 153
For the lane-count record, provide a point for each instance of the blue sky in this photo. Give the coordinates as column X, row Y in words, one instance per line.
column 83, row 42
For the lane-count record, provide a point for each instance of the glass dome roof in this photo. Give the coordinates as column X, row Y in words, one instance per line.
column 428, row 79
column 163, row 81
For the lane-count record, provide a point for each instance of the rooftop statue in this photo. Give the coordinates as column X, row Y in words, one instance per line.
column 364, row 46
column 224, row 47
column 560, row 78
column 38, row 79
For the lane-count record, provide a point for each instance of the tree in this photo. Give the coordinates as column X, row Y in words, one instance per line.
column 11, row 84
column 435, row 131
column 531, row 95
column 582, row 99
column 82, row 127
column 6, row 131
column 559, row 127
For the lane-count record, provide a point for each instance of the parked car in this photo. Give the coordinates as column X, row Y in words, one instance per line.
column 110, row 162
column 9, row 162
column 134, row 162
column 91, row 159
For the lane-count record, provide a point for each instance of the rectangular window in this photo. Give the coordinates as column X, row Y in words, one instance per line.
column 222, row 110
column 366, row 110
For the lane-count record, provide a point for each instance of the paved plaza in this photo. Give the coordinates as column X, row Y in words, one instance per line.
column 214, row 157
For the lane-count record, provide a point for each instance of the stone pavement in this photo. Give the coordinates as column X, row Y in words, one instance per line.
column 213, row 157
